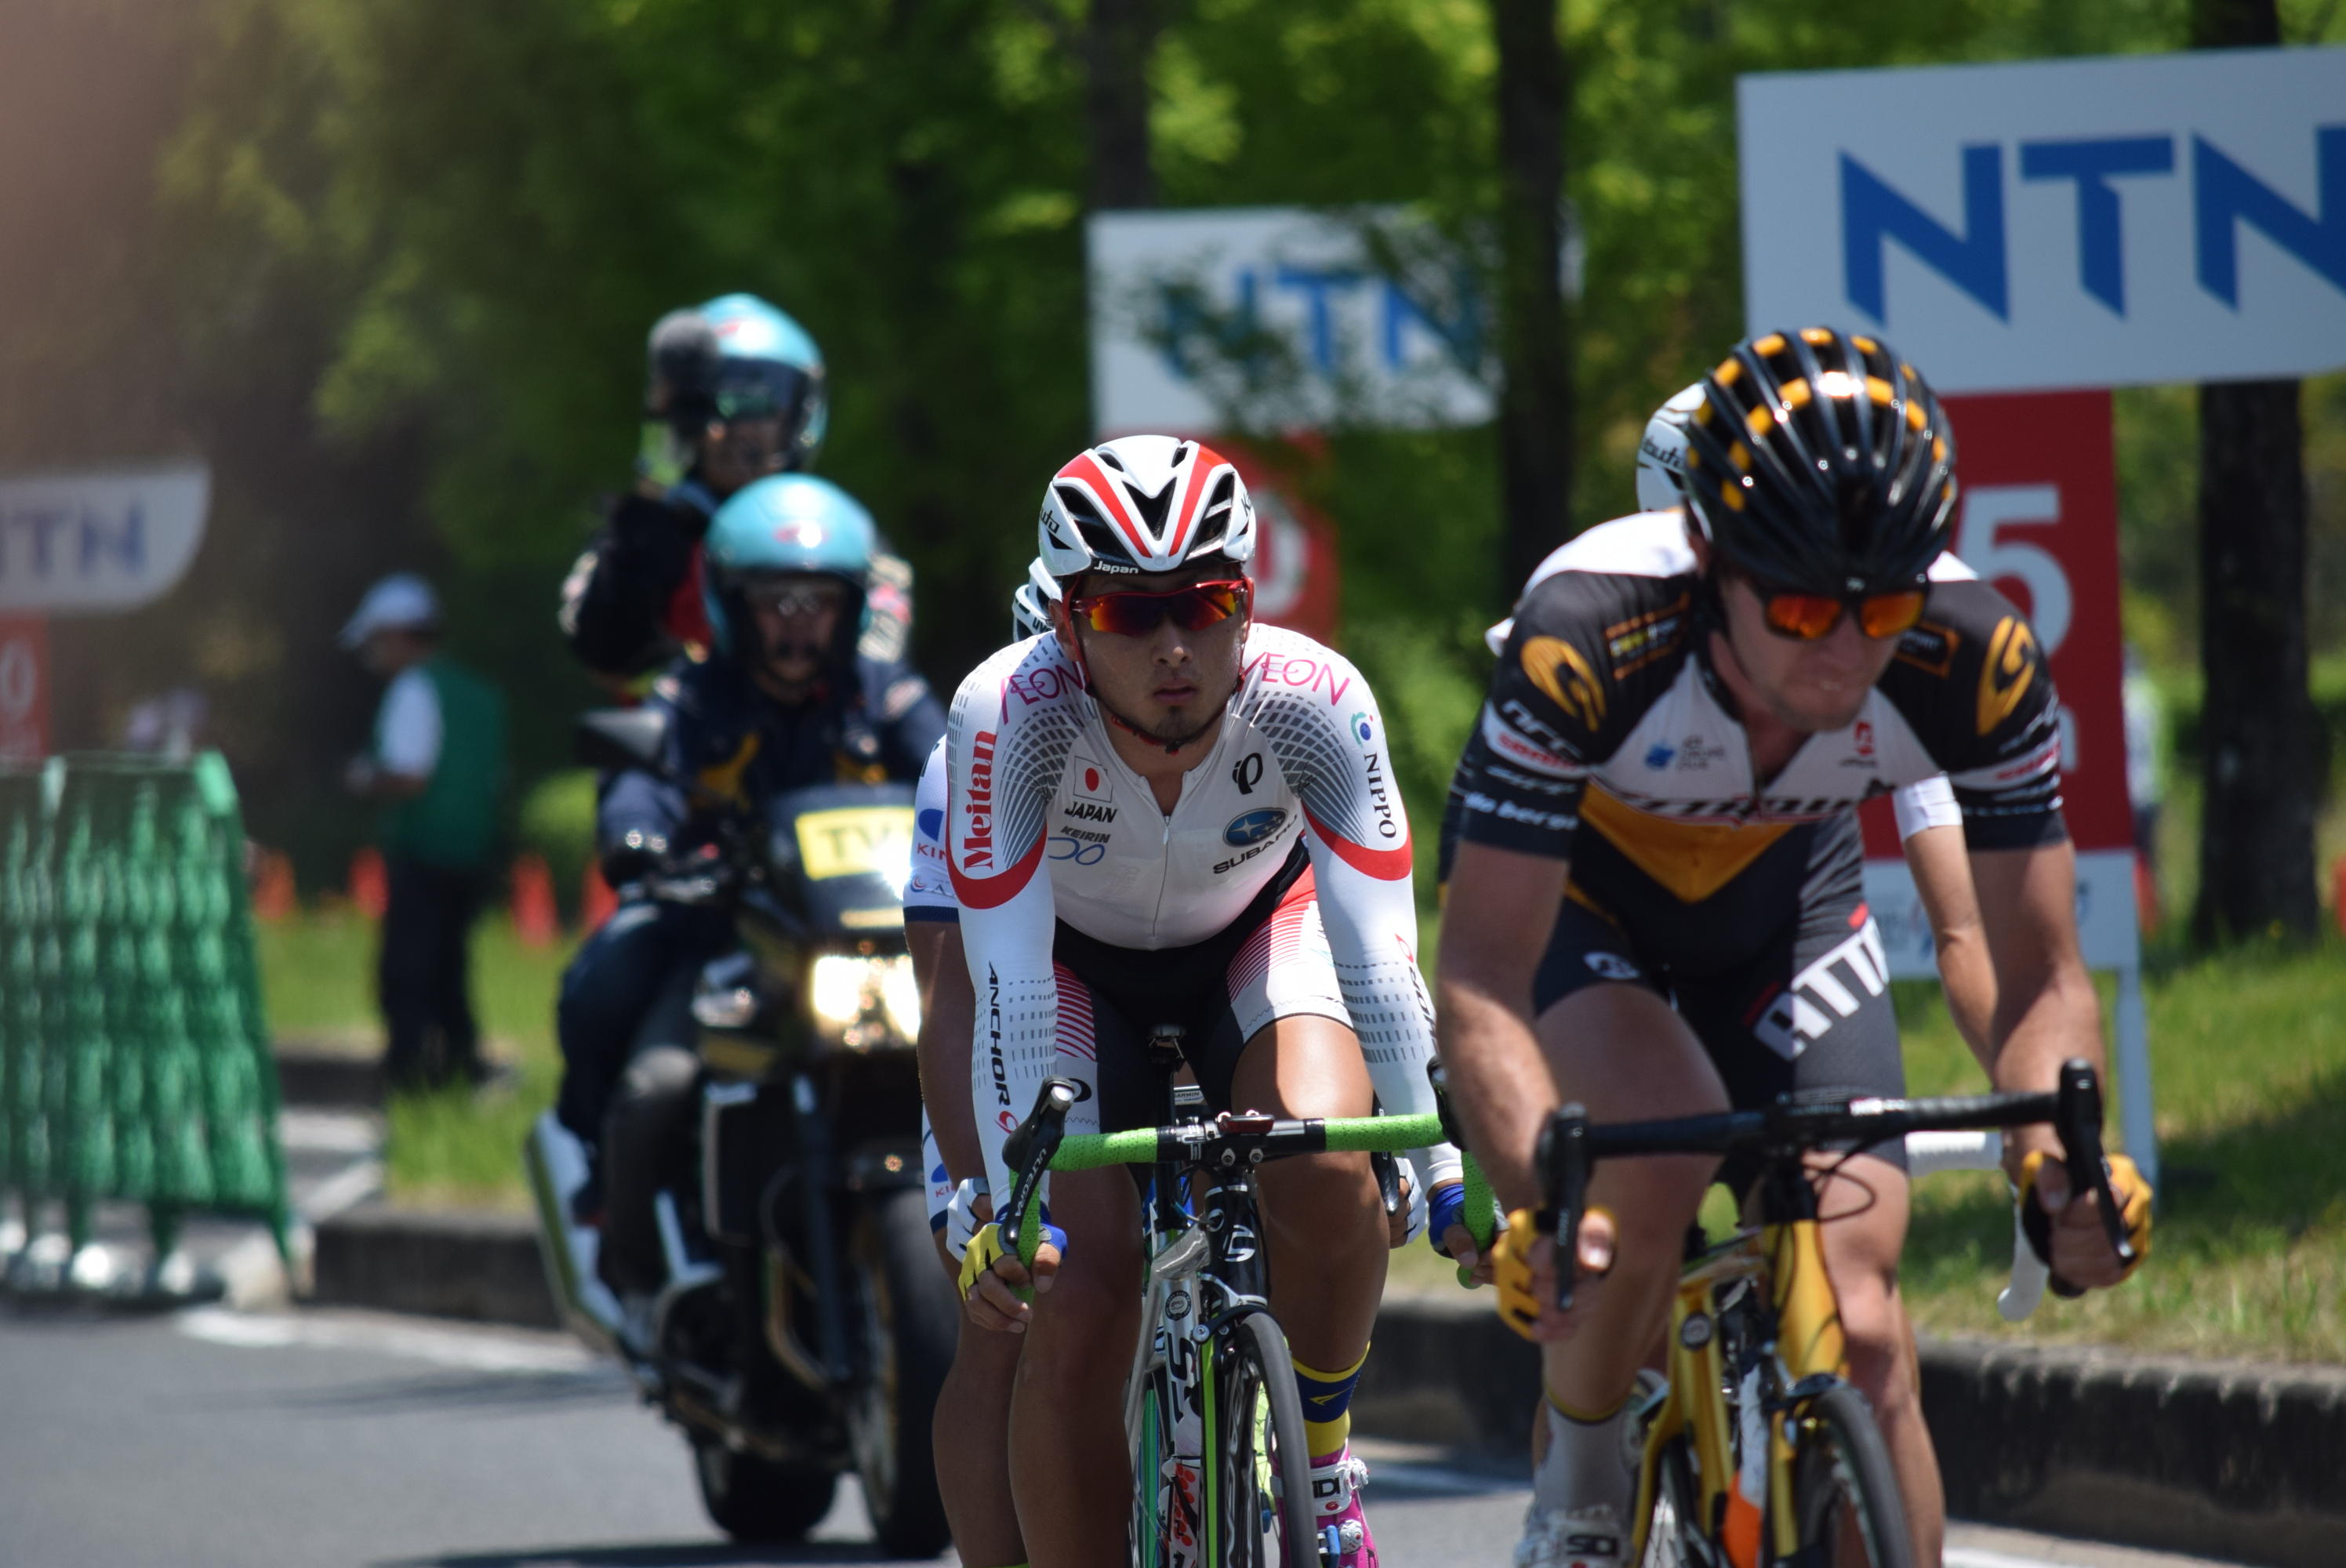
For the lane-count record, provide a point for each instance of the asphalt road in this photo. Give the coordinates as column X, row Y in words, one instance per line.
column 323, row 1439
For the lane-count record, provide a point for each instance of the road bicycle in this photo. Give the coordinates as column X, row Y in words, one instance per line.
column 1220, row 1465
column 1756, row 1452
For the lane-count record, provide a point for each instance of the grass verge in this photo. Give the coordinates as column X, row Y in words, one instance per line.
column 453, row 1148
column 2249, row 1058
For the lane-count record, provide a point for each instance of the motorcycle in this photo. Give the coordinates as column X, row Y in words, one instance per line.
column 804, row 1328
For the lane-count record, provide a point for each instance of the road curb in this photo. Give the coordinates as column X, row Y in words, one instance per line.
column 482, row 1267
column 2232, row 1460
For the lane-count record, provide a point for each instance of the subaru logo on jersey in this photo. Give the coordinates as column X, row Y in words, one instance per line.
column 1253, row 826
column 1659, row 756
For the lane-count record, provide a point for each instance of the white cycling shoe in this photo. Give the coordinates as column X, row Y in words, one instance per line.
column 1571, row 1537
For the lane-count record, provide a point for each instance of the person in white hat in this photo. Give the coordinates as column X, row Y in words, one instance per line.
column 437, row 764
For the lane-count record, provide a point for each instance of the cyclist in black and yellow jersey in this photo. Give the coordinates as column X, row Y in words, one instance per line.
column 1654, row 897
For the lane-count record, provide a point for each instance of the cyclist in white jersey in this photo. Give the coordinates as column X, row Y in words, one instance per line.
column 1164, row 814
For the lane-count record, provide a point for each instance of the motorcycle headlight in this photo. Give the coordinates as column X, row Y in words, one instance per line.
column 869, row 1000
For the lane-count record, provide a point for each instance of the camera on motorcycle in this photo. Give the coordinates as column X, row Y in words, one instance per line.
column 621, row 737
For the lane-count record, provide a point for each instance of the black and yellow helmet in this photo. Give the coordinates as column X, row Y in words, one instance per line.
column 1821, row 460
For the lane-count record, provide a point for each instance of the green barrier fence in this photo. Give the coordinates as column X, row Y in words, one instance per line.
column 135, row 1058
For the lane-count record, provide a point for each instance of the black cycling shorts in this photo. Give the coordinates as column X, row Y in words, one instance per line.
column 1270, row 963
column 1797, row 1005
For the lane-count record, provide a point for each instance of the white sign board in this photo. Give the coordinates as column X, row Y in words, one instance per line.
column 104, row 540
column 2063, row 223
column 1276, row 319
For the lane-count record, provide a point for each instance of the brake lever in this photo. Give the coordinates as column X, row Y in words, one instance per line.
column 1563, row 1162
column 1028, row 1150
column 2079, row 1124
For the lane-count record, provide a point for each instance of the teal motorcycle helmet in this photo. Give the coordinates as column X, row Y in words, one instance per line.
column 785, row 525
column 768, row 366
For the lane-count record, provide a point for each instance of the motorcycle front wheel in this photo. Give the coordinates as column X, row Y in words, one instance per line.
column 756, row 1499
column 909, row 1324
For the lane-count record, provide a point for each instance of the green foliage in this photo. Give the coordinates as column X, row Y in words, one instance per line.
column 557, row 821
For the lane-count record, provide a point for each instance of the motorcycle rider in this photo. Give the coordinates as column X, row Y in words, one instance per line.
column 785, row 700
column 736, row 390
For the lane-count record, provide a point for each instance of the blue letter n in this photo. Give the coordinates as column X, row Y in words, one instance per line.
column 1873, row 214
column 2223, row 192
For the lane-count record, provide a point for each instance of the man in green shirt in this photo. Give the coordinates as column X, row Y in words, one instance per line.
column 437, row 763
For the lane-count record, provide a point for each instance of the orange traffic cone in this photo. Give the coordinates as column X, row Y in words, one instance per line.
column 370, row 884
column 597, row 902
column 534, row 917
column 274, row 898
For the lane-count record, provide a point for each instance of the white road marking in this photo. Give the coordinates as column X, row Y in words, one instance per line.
column 463, row 1350
column 305, row 1131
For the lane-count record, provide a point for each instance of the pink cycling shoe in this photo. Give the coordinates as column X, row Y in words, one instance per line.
column 1336, row 1482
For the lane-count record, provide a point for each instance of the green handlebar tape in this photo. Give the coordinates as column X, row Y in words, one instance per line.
column 1383, row 1135
column 1480, row 1216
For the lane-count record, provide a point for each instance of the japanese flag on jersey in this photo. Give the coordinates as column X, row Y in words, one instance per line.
column 1088, row 780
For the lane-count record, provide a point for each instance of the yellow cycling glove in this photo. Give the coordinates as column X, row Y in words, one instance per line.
column 1511, row 1271
column 984, row 1248
column 2127, row 1184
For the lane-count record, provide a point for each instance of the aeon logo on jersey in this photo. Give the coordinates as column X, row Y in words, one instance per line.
column 1046, row 684
column 977, row 843
column 1253, row 826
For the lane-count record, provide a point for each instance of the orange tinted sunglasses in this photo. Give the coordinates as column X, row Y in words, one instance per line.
column 1809, row 617
column 1135, row 614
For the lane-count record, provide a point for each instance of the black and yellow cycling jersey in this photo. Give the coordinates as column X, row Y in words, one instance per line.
column 1609, row 741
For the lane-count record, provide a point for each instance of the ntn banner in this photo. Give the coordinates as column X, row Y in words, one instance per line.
column 2058, row 223
column 2038, row 519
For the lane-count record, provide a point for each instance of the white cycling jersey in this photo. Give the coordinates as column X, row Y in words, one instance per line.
column 1043, row 823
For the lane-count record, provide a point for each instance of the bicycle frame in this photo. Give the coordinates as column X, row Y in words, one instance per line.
column 1784, row 1257
column 1205, row 1267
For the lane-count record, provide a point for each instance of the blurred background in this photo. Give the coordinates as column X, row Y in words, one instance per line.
column 386, row 266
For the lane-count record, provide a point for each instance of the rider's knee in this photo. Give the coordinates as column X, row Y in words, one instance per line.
column 1879, row 1342
column 1326, row 1185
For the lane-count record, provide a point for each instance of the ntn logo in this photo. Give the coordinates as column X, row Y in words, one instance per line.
column 2224, row 195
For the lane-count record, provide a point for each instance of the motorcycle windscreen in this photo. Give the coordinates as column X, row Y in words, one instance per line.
column 852, row 848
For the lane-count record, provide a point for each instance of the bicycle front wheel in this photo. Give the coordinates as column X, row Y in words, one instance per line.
column 1845, row 1496
column 1259, row 1512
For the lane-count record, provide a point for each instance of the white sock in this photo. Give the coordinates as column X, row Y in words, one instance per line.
column 1583, row 1467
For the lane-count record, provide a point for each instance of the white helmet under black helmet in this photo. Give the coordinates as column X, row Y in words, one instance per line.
column 1030, row 605
column 1661, row 455
column 1145, row 504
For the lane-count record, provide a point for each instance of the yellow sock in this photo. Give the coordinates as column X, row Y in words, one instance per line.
column 1586, row 1420
column 1328, row 1397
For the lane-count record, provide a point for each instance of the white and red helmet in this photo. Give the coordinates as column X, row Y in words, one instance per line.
column 1145, row 504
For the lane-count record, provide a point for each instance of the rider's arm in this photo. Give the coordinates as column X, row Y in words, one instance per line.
column 1930, row 830
column 2047, row 1010
column 1514, row 810
column 933, row 936
column 911, row 721
column 617, row 594
column 999, row 781
column 948, row 1012
column 1497, row 916
column 1356, row 831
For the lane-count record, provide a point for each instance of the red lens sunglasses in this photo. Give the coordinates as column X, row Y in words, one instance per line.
column 1135, row 614
column 1809, row 617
